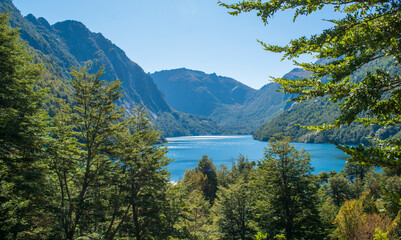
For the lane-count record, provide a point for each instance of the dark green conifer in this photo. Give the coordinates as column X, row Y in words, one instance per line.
column 22, row 131
column 144, row 179
column 286, row 193
column 207, row 167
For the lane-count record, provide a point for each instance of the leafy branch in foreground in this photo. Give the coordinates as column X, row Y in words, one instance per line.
column 367, row 31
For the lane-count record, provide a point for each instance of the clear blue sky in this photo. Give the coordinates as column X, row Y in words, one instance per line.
column 196, row 34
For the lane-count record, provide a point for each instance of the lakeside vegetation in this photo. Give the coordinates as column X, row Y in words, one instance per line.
column 87, row 169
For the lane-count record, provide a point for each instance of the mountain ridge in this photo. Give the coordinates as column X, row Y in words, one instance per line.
column 196, row 92
column 236, row 107
column 321, row 110
column 70, row 43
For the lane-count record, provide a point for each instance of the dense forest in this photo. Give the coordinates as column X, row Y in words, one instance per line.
column 321, row 110
column 78, row 166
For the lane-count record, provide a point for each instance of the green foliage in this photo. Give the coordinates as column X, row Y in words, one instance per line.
column 354, row 222
column 339, row 189
column 22, row 135
column 366, row 32
column 379, row 235
column 208, row 169
column 285, row 193
column 110, row 170
column 360, row 57
column 316, row 112
column 182, row 124
column 144, row 179
column 355, row 172
column 234, row 212
column 280, row 237
column 194, row 211
column 241, row 169
column 97, row 173
column 348, row 219
column 261, row 236
column 194, row 221
column 80, row 150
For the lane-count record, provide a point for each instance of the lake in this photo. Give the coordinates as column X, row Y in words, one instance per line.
column 224, row 149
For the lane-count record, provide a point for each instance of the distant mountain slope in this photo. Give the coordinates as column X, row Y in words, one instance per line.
column 237, row 108
column 71, row 43
column 321, row 110
column 245, row 119
column 199, row 93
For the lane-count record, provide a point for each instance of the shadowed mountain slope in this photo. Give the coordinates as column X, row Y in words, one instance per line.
column 70, row 43
column 237, row 108
column 199, row 93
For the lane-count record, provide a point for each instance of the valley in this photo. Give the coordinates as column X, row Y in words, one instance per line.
column 93, row 146
column 181, row 102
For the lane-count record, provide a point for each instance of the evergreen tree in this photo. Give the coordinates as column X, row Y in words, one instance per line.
column 145, row 179
column 233, row 210
column 339, row 189
column 22, row 131
column 194, row 221
column 354, row 171
column 81, row 151
column 285, row 193
column 207, row 168
column 241, row 169
column 367, row 31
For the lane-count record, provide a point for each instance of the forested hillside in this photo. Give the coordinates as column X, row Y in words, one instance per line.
column 320, row 110
column 86, row 169
column 237, row 108
column 70, row 43
column 199, row 93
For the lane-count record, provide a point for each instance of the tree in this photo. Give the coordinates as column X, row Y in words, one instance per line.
column 207, row 168
column 81, row 151
column 145, row 179
column 22, row 135
column 241, row 169
column 111, row 174
column 339, row 189
column 194, row 221
column 285, row 193
column 355, row 172
column 367, row 32
column 348, row 220
column 233, row 210
column 354, row 223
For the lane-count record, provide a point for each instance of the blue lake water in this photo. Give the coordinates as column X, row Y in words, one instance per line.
column 186, row 151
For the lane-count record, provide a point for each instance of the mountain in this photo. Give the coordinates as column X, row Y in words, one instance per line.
column 199, row 93
column 237, row 108
column 320, row 110
column 70, row 43
column 296, row 73
column 265, row 104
